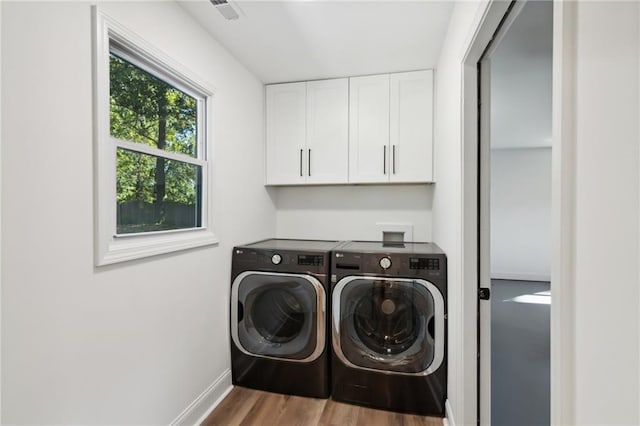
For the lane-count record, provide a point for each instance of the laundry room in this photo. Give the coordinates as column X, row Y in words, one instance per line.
column 277, row 212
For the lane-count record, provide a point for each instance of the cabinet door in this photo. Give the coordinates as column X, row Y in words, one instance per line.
column 411, row 133
column 369, row 129
column 327, row 154
column 286, row 116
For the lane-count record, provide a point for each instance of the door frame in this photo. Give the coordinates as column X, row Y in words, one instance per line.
column 562, row 212
column 484, row 65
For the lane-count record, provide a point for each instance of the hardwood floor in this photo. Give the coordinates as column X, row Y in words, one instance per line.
column 251, row 407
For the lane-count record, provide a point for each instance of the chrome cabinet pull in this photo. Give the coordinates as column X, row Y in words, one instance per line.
column 384, row 160
column 394, row 159
column 309, row 160
column 300, row 163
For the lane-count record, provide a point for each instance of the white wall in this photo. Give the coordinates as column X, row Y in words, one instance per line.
column 352, row 212
column 521, row 213
column 607, row 211
column 133, row 343
column 447, row 204
column 521, row 70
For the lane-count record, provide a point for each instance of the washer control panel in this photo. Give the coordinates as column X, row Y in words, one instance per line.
column 430, row 264
column 390, row 264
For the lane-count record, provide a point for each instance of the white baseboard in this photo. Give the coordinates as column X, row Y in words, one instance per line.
column 519, row 277
column 448, row 412
column 204, row 404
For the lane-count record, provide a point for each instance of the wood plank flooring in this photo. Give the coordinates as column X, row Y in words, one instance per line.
column 248, row 407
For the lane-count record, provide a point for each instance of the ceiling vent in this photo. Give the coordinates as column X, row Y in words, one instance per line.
column 225, row 9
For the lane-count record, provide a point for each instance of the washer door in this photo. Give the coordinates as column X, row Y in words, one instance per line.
column 388, row 324
column 278, row 315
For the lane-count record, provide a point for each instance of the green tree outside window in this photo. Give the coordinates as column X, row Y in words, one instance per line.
column 153, row 193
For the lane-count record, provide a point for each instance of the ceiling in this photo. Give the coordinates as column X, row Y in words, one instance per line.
column 304, row 40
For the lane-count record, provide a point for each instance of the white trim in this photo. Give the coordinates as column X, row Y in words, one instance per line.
column 519, row 277
column 448, row 412
column 0, row 215
column 198, row 410
column 153, row 60
column 484, row 209
column 124, row 249
column 107, row 248
column 563, row 215
column 484, row 26
column 156, row 152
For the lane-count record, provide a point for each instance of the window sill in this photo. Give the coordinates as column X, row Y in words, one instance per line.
column 123, row 249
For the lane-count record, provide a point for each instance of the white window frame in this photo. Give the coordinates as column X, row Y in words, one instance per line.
column 111, row 247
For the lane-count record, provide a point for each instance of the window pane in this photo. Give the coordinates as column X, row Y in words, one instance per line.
column 156, row 194
column 145, row 109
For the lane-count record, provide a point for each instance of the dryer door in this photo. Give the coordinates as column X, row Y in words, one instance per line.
column 388, row 324
column 278, row 315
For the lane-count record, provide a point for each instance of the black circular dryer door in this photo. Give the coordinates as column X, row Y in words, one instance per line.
column 278, row 315
column 393, row 325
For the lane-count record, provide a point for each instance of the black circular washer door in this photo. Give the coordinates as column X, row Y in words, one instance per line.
column 387, row 322
column 384, row 323
column 278, row 315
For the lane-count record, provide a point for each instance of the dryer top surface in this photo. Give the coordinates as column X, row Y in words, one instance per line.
column 301, row 245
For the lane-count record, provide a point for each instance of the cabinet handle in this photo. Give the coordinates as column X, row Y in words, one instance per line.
column 384, row 160
column 300, row 163
column 309, row 159
column 394, row 159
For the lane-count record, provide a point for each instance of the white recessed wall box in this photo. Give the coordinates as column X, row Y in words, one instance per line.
column 395, row 232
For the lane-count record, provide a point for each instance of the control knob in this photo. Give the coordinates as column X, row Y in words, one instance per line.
column 385, row 263
column 276, row 259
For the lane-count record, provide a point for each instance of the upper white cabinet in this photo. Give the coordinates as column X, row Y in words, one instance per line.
column 286, row 133
column 328, row 131
column 307, row 132
column 369, row 129
column 372, row 129
column 411, row 126
column 391, row 128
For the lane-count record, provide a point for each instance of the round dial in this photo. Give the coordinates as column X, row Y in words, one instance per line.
column 276, row 259
column 385, row 263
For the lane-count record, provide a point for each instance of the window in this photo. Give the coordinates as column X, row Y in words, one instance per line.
column 151, row 145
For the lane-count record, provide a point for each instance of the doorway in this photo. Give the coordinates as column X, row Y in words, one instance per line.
column 514, row 216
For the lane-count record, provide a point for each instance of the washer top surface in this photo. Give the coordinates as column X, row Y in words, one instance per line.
column 388, row 247
column 302, row 245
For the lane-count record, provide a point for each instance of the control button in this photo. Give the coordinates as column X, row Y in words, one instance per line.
column 276, row 259
column 385, row 263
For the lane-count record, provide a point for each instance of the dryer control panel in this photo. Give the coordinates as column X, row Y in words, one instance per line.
column 280, row 260
column 310, row 259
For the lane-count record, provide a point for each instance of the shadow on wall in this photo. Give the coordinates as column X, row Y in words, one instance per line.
column 357, row 197
column 352, row 212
